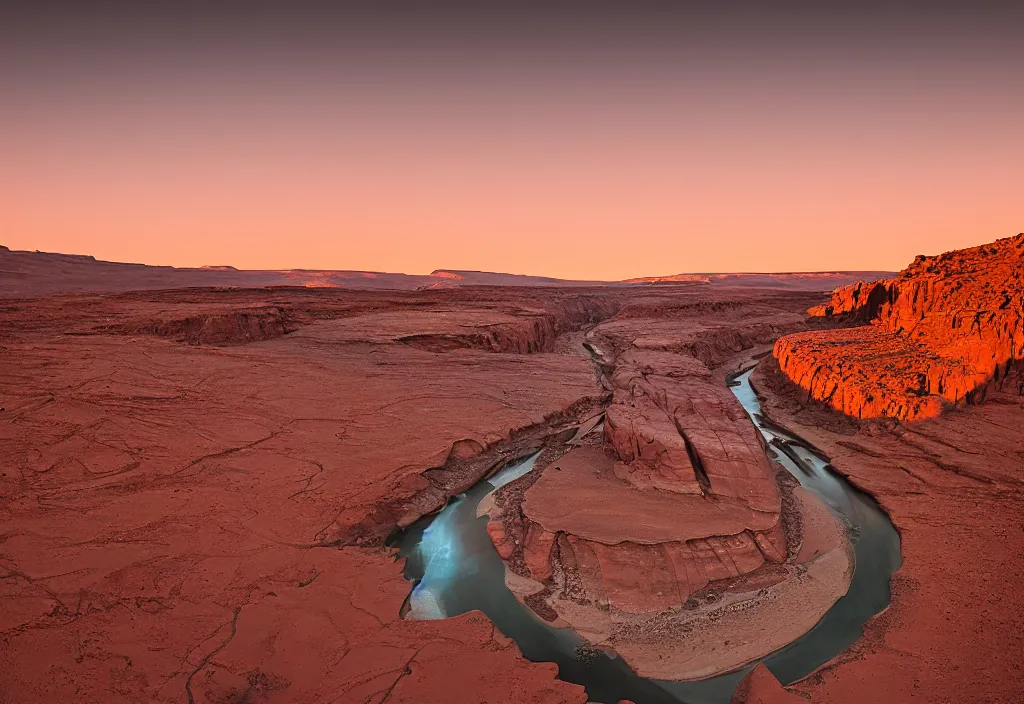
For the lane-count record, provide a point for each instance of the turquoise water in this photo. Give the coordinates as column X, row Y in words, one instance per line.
column 455, row 569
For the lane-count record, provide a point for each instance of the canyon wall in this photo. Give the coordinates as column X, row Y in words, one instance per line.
column 939, row 334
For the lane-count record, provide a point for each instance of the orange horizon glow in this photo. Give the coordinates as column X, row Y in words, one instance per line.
column 618, row 165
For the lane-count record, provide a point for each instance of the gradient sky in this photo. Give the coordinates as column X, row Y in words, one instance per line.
column 599, row 140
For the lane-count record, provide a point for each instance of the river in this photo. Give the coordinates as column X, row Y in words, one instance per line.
column 455, row 569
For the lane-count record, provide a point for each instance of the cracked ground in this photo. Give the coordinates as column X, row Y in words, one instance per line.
column 168, row 511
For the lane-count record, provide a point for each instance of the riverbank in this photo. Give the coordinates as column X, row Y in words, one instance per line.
column 451, row 559
column 953, row 488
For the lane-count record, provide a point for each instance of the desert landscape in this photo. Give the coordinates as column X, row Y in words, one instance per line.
column 205, row 490
column 511, row 353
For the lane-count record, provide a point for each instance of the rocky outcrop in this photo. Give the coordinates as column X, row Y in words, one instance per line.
column 858, row 302
column 939, row 334
column 239, row 327
column 528, row 332
column 683, row 455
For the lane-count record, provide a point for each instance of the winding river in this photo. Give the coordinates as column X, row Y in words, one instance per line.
column 456, row 569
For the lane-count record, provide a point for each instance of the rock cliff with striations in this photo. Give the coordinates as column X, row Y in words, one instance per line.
column 939, row 334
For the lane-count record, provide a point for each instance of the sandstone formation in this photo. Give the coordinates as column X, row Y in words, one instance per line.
column 737, row 621
column 680, row 499
column 939, row 334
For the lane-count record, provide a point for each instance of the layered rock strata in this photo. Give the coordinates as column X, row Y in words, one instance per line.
column 649, row 530
column 939, row 334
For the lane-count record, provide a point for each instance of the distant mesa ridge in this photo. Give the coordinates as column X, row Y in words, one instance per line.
column 669, row 279
column 29, row 274
column 819, row 279
column 441, row 273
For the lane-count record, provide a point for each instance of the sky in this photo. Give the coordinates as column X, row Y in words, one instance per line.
column 580, row 140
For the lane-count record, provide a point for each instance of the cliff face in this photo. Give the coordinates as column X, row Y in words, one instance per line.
column 938, row 334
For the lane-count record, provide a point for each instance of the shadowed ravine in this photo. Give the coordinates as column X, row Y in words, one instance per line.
column 456, row 569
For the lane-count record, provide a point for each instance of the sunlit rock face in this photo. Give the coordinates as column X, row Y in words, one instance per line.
column 939, row 334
